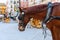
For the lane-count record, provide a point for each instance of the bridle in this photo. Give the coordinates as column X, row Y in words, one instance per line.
column 21, row 20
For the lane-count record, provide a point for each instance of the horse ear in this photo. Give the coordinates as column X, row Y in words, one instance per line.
column 20, row 10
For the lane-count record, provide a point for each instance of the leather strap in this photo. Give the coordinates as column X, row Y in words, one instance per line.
column 46, row 18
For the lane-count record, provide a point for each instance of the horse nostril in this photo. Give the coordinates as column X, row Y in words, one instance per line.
column 21, row 28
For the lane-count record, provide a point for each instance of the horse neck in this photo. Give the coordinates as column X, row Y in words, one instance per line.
column 56, row 9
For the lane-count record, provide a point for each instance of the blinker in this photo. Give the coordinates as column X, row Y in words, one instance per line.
column 22, row 13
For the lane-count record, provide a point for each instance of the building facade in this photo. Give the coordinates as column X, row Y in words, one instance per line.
column 28, row 3
column 12, row 6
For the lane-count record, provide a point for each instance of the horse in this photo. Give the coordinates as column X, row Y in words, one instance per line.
column 42, row 12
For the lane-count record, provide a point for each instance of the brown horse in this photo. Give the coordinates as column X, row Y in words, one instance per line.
column 39, row 12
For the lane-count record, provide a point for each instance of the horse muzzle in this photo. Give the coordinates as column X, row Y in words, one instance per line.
column 21, row 27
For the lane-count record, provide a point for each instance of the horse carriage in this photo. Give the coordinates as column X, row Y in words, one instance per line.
column 48, row 14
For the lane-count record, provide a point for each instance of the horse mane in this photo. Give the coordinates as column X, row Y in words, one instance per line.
column 35, row 9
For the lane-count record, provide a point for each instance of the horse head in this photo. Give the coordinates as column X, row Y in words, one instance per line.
column 31, row 12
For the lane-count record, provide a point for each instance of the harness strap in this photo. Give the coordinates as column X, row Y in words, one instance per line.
column 48, row 12
column 56, row 17
column 46, row 18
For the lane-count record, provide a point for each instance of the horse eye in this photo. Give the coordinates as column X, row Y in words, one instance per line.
column 22, row 12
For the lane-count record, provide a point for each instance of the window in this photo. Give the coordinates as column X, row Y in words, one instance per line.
column 14, row 2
